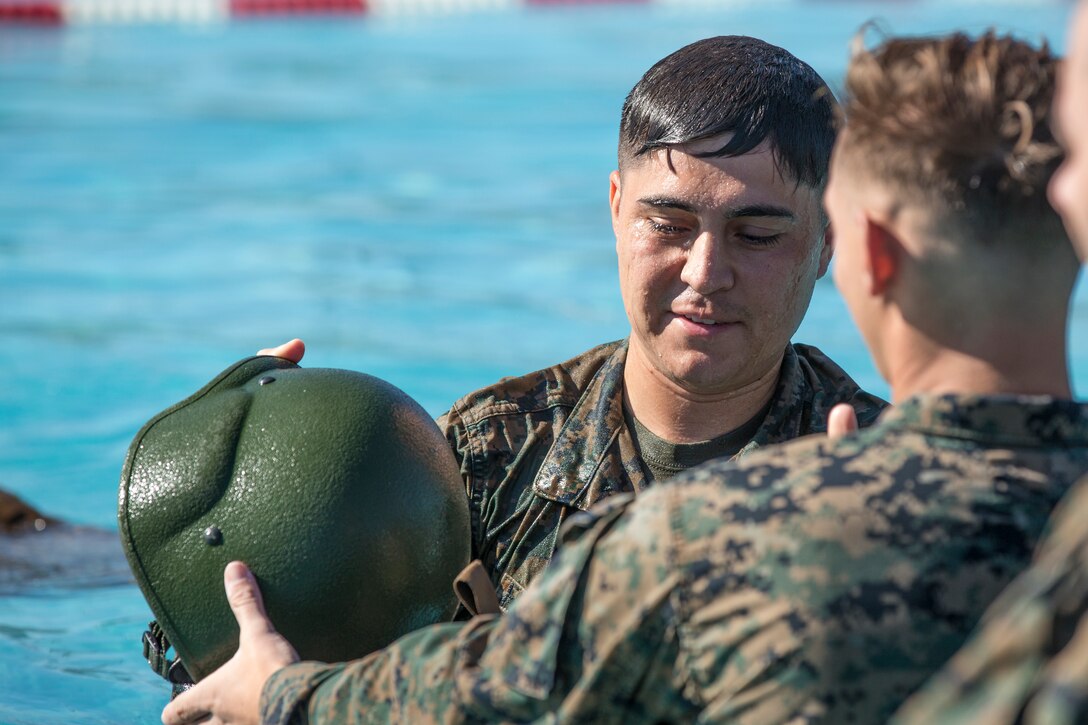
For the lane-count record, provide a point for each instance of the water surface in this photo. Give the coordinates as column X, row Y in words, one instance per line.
column 423, row 199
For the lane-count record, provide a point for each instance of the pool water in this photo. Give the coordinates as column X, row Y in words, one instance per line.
column 421, row 198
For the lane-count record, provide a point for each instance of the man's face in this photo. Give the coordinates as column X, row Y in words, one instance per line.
column 1069, row 187
column 717, row 261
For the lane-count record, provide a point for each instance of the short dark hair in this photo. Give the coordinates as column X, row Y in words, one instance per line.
column 739, row 85
column 961, row 124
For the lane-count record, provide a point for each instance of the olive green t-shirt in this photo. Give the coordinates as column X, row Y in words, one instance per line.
column 664, row 459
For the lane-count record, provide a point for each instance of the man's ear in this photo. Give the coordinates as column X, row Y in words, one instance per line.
column 883, row 255
column 827, row 251
column 614, row 195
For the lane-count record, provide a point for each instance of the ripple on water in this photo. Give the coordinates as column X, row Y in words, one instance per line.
column 73, row 656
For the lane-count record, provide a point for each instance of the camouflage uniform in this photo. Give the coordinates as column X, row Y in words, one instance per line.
column 536, row 449
column 1028, row 663
column 818, row 581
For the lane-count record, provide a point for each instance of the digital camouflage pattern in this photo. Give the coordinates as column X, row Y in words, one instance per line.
column 1028, row 663
column 818, row 581
column 538, row 448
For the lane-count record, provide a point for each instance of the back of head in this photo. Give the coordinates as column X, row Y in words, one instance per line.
column 961, row 127
column 336, row 488
column 733, row 85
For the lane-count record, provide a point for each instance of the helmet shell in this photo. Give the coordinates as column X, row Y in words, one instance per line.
column 336, row 489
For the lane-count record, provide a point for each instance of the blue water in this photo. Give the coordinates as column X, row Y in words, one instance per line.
column 422, row 198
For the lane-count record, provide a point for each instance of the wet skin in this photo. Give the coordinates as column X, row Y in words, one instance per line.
column 717, row 262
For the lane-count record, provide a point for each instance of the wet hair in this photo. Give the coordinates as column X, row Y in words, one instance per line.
column 739, row 85
column 959, row 124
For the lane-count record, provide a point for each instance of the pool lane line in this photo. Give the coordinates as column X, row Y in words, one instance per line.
column 31, row 13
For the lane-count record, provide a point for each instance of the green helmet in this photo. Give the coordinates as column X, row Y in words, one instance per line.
column 335, row 487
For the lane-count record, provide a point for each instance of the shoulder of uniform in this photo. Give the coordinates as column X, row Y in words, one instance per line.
column 561, row 384
column 810, row 458
column 771, row 483
column 831, row 384
column 820, row 368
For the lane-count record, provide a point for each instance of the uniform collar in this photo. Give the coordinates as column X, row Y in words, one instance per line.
column 1010, row 420
column 595, row 452
column 589, row 433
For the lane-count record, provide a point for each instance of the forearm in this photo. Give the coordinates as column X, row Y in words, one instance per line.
column 412, row 680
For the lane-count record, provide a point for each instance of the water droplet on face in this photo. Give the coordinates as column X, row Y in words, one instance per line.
column 266, row 380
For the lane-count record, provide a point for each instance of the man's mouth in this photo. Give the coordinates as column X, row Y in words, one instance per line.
column 703, row 320
column 698, row 325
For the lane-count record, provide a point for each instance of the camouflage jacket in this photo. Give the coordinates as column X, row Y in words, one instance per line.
column 538, row 448
column 818, row 581
column 1028, row 663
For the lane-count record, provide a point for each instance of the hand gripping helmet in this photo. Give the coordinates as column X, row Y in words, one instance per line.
column 336, row 489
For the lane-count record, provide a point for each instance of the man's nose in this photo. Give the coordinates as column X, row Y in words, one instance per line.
column 708, row 268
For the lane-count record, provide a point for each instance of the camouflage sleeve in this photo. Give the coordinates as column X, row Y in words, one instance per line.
column 594, row 640
column 409, row 681
column 827, row 385
column 1028, row 661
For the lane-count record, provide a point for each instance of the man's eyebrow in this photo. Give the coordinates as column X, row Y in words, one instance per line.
column 750, row 210
column 666, row 202
column 764, row 210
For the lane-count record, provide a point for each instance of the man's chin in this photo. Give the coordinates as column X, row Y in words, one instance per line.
column 708, row 378
column 717, row 373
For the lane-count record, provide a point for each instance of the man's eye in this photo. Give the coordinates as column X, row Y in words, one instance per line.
column 761, row 241
column 667, row 229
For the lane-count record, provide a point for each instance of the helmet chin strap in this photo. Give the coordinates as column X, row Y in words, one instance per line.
column 173, row 671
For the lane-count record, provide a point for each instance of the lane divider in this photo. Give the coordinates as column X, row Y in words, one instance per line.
column 436, row 7
column 80, row 12
column 296, row 7
column 36, row 13
column 73, row 12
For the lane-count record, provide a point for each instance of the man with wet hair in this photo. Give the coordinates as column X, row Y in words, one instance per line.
column 823, row 580
column 1028, row 663
column 719, row 86
column 720, row 236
